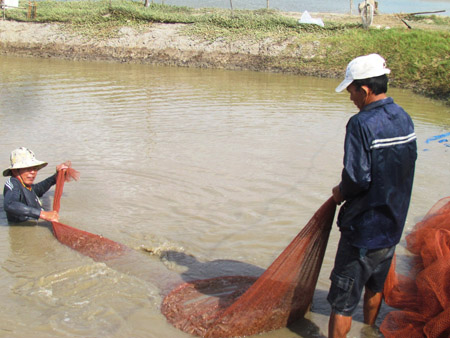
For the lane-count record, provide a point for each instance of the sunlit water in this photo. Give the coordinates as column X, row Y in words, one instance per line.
column 327, row 6
column 202, row 172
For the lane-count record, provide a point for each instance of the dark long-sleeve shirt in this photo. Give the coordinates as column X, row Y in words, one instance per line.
column 21, row 204
column 379, row 160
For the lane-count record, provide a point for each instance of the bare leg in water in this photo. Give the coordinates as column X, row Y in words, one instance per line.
column 372, row 305
column 339, row 325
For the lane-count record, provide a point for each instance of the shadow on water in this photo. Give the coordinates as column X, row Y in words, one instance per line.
column 306, row 328
column 209, row 269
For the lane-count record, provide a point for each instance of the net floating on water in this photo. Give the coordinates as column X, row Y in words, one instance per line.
column 97, row 247
column 195, row 306
column 237, row 306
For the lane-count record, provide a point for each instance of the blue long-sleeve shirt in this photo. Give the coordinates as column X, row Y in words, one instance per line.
column 379, row 160
column 21, row 204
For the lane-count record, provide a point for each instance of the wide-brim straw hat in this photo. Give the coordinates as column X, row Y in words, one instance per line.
column 23, row 158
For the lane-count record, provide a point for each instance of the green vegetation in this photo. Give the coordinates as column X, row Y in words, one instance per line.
column 102, row 11
column 438, row 20
column 210, row 23
column 419, row 58
column 101, row 19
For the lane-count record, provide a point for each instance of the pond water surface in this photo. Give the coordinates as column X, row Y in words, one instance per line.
column 202, row 172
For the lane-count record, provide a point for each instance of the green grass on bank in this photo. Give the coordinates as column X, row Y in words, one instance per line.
column 436, row 19
column 122, row 12
column 419, row 59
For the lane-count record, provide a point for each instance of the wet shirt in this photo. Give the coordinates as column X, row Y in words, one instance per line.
column 21, row 204
column 379, row 160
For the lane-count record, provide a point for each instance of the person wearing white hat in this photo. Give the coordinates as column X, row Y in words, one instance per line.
column 380, row 151
column 21, row 196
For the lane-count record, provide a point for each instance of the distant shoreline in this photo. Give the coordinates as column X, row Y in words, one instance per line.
column 159, row 43
column 167, row 44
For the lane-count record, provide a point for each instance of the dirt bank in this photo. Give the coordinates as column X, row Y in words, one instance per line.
column 155, row 43
column 166, row 44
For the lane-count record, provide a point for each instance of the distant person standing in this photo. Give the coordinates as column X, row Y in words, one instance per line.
column 379, row 159
column 373, row 3
column 21, row 196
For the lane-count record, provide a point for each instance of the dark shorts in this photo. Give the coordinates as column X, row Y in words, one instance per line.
column 353, row 269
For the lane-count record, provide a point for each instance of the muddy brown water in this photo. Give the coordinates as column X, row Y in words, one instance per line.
column 201, row 172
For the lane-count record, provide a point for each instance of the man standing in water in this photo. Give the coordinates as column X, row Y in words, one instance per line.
column 379, row 158
column 21, row 196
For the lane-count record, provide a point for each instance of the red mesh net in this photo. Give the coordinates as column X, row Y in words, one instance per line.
column 63, row 176
column 240, row 306
column 423, row 297
column 97, row 247
column 234, row 305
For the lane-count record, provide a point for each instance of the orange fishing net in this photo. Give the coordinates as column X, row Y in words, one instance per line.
column 423, row 297
column 240, row 306
column 97, row 247
column 234, row 305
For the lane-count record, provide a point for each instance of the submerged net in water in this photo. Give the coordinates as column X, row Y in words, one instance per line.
column 95, row 246
column 240, row 306
column 424, row 297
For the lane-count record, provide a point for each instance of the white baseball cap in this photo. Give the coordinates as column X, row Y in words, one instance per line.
column 23, row 158
column 363, row 67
